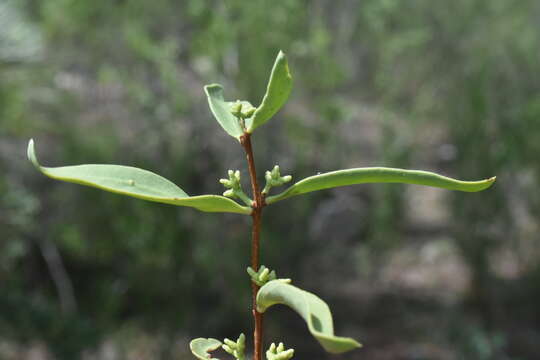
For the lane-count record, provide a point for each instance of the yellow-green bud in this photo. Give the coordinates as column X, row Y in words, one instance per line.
column 236, row 109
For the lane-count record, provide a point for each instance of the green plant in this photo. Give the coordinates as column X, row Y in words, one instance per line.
column 239, row 119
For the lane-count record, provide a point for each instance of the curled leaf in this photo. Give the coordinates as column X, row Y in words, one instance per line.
column 314, row 311
column 201, row 346
column 134, row 182
column 222, row 110
column 278, row 89
column 378, row 175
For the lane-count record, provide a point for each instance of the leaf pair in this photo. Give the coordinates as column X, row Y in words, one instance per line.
column 146, row 185
column 278, row 89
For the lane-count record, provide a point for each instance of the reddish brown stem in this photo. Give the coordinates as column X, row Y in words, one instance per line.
column 256, row 215
column 257, row 316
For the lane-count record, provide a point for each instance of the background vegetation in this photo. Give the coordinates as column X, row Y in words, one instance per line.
column 414, row 273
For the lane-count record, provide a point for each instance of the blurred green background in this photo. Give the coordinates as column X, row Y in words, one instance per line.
column 413, row 273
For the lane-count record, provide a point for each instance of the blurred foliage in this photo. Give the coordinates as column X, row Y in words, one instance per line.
column 446, row 86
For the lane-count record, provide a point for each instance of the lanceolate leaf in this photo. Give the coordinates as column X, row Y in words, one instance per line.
column 378, row 175
column 201, row 346
column 277, row 91
column 139, row 183
column 314, row 311
column 222, row 110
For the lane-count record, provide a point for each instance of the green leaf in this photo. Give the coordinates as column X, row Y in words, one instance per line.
column 378, row 175
column 222, row 110
column 278, row 90
column 201, row 346
column 137, row 183
column 314, row 311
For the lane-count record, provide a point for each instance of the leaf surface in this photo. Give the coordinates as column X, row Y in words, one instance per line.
column 311, row 308
column 201, row 346
column 134, row 182
column 277, row 92
column 222, row 110
column 378, row 175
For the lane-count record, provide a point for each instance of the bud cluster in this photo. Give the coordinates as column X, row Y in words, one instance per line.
column 235, row 187
column 235, row 348
column 279, row 352
column 242, row 110
column 263, row 276
column 274, row 178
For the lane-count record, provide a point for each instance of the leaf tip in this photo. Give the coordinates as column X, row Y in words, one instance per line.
column 282, row 58
column 31, row 153
column 213, row 89
column 489, row 182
